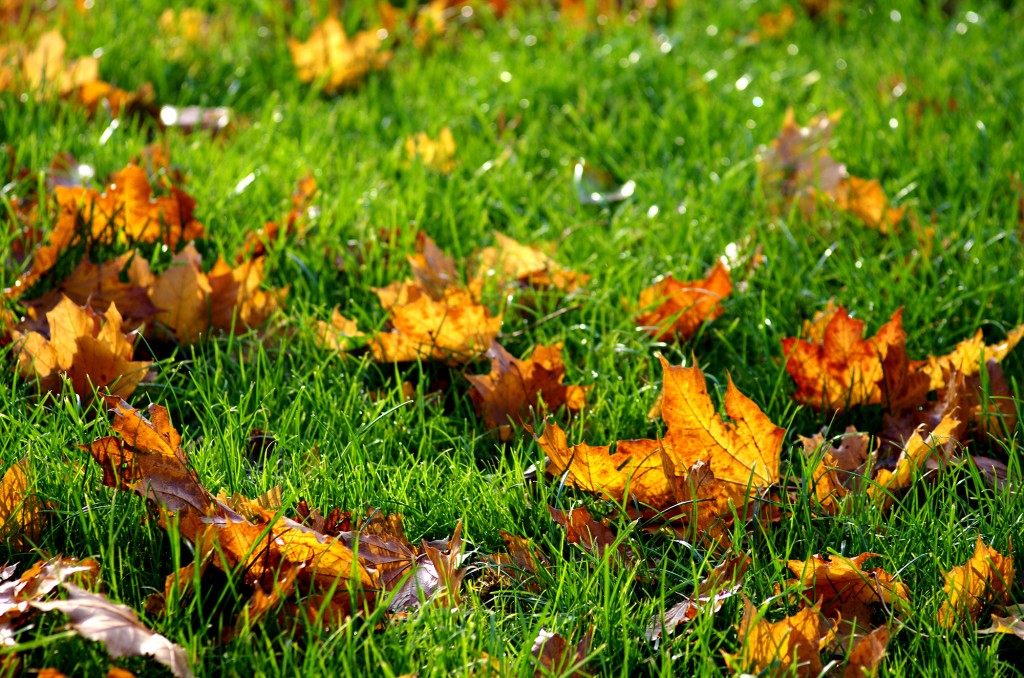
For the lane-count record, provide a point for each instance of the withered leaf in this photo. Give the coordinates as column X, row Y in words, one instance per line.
column 515, row 387
column 672, row 308
column 1012, row 623
column 581, row 528
column 984, row 579
column 790, row 646
column 117, row 627
column 437, row 155
column 18, row 595
column 557, row 656
column 88, row 348
column 21, row 516
column 333, row 59
column 44, row 68
column 940, row 444
column 702, row 468
column 867, row 654
column 512, row 262
column 723, row 582
column 341, row 334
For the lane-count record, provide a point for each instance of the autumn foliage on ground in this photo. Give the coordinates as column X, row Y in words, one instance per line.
column 346, row 364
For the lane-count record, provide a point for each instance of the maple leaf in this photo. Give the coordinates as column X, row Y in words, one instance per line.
column 1012, row 623
column 455, row 329
column 437, row 155
column 341, row 334
column 969, row 357
column 558, row 657
column 21, row 512
column 790, row 646
column 723, row 582
column 703, row 466
column 986, row 578
column 426, row 22
column 330, row 57
column 673, row 308
column 193, row 303
column 99, row 286
column 866, row 656
column 18, row 595
column 798, row 167
column 918, row 451
column 117, row 627
column 514, row 387
column 274, row 555
column 256, row 242
column 44, row 68
column 511, row 261
column 581, row 528
column 91, row 354
column 845, row 592
column 842, row 467
column 432, row 269
column 522, row 564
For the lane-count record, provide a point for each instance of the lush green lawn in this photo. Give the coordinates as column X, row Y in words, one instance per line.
column 681, row 108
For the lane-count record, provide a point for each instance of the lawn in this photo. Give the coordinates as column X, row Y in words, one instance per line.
column 686, row 102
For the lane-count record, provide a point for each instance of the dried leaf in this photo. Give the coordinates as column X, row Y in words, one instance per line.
column 865, row 200
column 21, row 516
column 702, row 469
column 118, row 628
column 514, row 387
column 1012, row 624
column 44, row 69
column 675, row 309
column 341, row 334
column 581, row 528
column 515, row 263
column 18, row 595
column 333, row 59
column 557, row 657
column 723, row 582
column 790, row 646
column 986, row 578
column 88, row 348
column 437, row 155
column 867, row 654
column 940, row 444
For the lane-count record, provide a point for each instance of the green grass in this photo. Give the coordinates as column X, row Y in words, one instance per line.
column 658, row 103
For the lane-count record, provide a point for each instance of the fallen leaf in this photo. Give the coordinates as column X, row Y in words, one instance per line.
column 986, row 578
column 88, row 348
column 790, row 646
column 723, row 582
column 703, row 469
column 44, row 69
column 437, row 155
column 844, row 591
column 867, row 654
column 18, row 595
column 865, row 200
column 341, row 334
column 558, row 657
column 515, row 387
column 333, row 59
column 117, row 627
column 193, row 303
column 672, row 308
column 843, row 465
column 939, row 445
column 969, row 357
column 512, row 262
column 1012, row 624
column 295, row 222
column 581, row 528
column 21, row 512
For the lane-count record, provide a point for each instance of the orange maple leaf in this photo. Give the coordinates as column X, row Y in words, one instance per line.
column 193, row 303
column 919, row 450
column 702, row 470
column 335, row 60
column 21, row 513
column 790, row 646
column 512, row 262
column 515, row 386
column 986, row 578
column 89, row 348
column 677, row 309
column 437, row 155
column 44, row 69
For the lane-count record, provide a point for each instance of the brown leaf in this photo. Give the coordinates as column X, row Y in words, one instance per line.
column 675, row 309
column 581, row 528
column 335, row 61
column 341, row 334
column 515, row 387
column 44, row 69
column 986, row 578
column 21, row 513
column 88, row 348
column 17, row 595
column 1012, row 624
column 867, row 654
column 919, row 451
column 723, row 582
column 865, row 200
column 256, row 242
column 118, row 628
column 790, row 646
column 701, row 470
column 844, row 465
column 557, row 657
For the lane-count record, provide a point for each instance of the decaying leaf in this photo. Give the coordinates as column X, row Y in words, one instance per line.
column 1012, row 623
column 333, row 59
column 512, row 262
column 295, row 223
column 939, row 446
column 17, row 596
column 798, row 167
column 866, row 656
column 671, row 308
column 194, row 303
column 90, row 349
column 522, row 564
column 845, row 592
column 117, row 627
column 341, row 334
column 437, row 155
column 558, row 657
column 702, row 471
column 790, row 646
column 272, row 555
column 723, row 582
column 581, row 528
column 21, row 516
column 842, row 467
column 514, row 387
column 984, row 579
